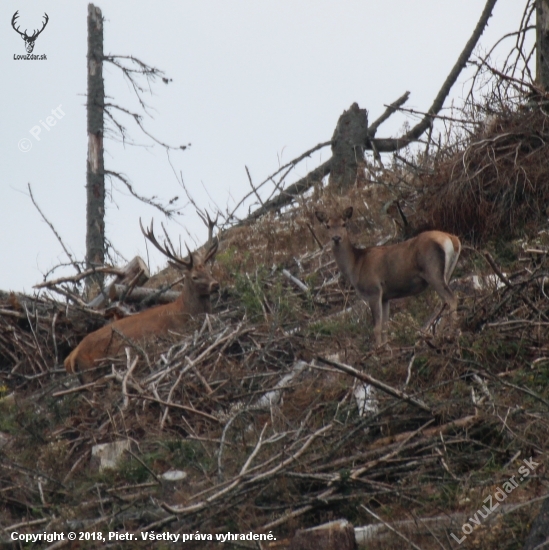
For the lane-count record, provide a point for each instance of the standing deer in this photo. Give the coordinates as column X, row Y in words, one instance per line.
column 382, row 273
column 194, row 300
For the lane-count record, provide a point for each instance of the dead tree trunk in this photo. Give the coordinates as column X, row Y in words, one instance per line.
column 348, row 144
column 287, row 196
column 95, row 176
column 542, row 44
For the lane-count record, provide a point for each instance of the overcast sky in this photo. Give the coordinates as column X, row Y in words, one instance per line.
column 255, row 83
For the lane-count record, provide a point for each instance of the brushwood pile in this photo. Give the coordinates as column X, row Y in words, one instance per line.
column 249, row 404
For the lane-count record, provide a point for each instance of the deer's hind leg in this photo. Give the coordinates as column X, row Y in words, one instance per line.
column 436, row 272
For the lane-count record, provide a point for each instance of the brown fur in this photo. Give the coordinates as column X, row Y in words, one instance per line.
column 382, row 273
column 194, row 300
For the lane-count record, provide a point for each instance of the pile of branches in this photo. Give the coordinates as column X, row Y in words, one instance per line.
column 496, row 184
column 280, row 418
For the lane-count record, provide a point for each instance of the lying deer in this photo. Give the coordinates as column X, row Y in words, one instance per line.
column 382, row 273
column 194, row 299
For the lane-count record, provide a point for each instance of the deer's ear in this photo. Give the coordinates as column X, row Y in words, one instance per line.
column 321, row 216
column 347, row 213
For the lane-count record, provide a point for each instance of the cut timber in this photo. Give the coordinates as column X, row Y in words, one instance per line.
column 336, row 535
column 136, row 273
column 138, row 294
column 109, row 455
column 172, row 481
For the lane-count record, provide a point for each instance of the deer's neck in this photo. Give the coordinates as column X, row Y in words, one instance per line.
column 346, row 257
column 192, row 303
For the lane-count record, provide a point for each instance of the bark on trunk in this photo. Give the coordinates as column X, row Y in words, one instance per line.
column 348, row 143
column 95, row 177
column 542, row 44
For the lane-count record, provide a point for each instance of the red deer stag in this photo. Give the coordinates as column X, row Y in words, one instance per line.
column 194, row 299
column 382, row 273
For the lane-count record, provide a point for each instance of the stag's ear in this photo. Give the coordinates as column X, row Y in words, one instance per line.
column 321, row 216
column 347, row 213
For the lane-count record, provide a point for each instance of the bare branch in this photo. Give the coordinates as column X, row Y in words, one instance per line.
column 80, row 276
column 389, row 145
column 391, row 109
column 57, row 236
column 377, row 384
column 169, row 212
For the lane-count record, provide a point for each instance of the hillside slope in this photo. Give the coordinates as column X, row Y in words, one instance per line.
column 252, row 406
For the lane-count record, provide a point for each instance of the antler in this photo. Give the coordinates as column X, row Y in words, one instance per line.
column 36, row 33
column 167, row 250
column 212, row 250
column 210, row 224
column 24, row 34
column 13, row 19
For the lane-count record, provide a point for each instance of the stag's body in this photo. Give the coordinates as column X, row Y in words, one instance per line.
column 194, row 300
column 382, row 273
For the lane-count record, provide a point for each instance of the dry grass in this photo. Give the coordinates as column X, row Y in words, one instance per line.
column 495, row 186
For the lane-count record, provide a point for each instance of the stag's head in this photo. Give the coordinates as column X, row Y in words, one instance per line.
column 29, row 40
column 197, row 273
column 198, row 277
column 336, row 226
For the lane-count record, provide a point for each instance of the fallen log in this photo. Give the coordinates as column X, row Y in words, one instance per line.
column 138, row 294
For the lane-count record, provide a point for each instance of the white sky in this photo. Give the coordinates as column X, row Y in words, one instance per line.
column 255, row 83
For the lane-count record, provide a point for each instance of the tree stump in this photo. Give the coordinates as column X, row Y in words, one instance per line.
column 348, row 144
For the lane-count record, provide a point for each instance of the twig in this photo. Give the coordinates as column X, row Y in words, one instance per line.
column 57, row 236
column 80, row 276
column 269, row 178
column 168, row 212
column 193, row 508
column 25, row 524
column 144, row 465
column 377, row 384
column 295, row 280
column 177, row 406
column 509, row 284
column 127, row 374
column 390, row 109
column 315, row 237
column 252, row 186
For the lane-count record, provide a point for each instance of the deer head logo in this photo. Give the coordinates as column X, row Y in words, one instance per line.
column 29, row 40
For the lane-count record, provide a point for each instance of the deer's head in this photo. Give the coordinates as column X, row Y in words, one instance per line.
column 199, row 280
column 336, row 226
